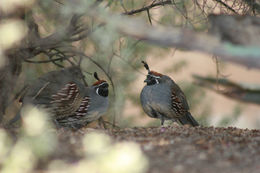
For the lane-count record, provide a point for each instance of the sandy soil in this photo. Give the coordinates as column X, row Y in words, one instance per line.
column 182, row 149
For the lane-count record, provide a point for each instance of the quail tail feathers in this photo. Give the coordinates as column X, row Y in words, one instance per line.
column 188, row 119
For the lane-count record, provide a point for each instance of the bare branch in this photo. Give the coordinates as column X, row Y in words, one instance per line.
column 226, row 5
column 149, row 16
column 43, row 61
column 253, row 5
column 73, row 32
column 161, row 3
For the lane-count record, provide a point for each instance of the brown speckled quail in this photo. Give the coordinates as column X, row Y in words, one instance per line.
column 69, row 102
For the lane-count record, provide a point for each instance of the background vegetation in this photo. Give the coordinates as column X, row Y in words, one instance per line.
column 112, row 37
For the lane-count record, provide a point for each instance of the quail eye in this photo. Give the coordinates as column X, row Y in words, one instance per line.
column 105, row 85
column 102, row 90
column 152, row 80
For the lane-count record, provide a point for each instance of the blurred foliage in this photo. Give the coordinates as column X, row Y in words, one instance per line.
column 178, row 66
column 37, row 142
column 228, row 120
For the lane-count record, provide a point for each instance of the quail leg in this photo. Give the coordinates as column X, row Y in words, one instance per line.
column 56, row 123
column 162, row 123
column 102, row 123
column 162, row 120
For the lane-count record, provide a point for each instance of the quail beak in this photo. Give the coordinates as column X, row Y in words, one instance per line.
column 146, row 80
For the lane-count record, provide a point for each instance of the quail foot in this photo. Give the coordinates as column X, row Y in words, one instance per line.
column 69, row 102
column 162, row 98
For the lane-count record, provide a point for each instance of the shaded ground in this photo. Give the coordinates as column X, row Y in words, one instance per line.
column 182, row 149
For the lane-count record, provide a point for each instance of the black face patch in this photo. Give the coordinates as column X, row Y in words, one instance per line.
column 102, row 89
column 152, row 80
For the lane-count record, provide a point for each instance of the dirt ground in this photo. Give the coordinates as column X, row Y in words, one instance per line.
column 182, row 149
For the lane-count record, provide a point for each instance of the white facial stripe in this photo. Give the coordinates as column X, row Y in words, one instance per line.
column 97, row 91
column 157, row 82
column 158, row 77
column 101, row 84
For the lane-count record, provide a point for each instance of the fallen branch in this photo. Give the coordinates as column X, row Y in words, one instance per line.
column 182, row 38
column 229, row 89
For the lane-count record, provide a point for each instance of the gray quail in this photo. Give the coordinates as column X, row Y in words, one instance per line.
column 69, row 101
column 162, row 98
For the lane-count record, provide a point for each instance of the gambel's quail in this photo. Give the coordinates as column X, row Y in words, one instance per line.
column 69, row 102
column 162, row 98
